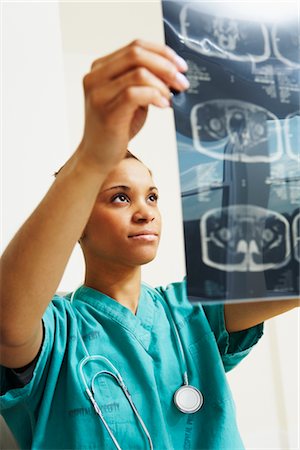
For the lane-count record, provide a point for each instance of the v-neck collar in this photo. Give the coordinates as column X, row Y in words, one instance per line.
column 140, row 324
column 146, row 314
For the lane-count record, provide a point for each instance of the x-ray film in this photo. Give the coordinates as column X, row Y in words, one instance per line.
column 238, row 139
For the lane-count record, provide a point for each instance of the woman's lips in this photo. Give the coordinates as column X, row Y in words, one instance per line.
column 146, row 236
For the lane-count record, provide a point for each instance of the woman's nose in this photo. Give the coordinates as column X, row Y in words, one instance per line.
column 144, row 214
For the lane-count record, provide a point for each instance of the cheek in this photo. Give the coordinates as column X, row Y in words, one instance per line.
column 103, row 223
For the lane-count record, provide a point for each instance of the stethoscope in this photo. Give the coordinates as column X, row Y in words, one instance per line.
column 91, row 395
column 187, row 398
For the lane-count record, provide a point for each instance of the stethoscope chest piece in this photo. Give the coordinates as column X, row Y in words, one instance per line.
column 188, row 399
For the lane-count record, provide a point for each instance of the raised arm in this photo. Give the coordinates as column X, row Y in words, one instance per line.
column 240, row 316
column 118, row 91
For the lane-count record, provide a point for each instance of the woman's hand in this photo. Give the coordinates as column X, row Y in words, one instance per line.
column 118, row 90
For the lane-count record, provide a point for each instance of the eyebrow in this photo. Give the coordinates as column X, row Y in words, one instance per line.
column 127, row 188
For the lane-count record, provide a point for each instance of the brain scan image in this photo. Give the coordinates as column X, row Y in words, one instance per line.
column 244, row 238
column 238, row 146
column 296, row 236
column 292, row 135
column 286, row 43
column 235, row 130
column 223, row 37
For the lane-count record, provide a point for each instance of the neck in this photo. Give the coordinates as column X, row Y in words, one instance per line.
column 121, row 283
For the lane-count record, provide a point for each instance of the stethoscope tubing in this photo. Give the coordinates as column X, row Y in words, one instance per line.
column 178, row 341
column 115, row 374
column 117, row 377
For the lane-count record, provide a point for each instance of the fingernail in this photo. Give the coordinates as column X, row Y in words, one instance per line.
column 182, row 80
column 182, row 65
column 164, row 102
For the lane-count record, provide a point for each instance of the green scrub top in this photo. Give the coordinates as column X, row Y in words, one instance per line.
column 53, row 412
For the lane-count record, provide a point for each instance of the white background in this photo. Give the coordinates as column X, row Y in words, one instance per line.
column 47, row 48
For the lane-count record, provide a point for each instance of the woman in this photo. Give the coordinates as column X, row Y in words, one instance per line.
column 68, row 364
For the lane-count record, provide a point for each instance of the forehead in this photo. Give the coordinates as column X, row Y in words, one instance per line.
column 129, row 172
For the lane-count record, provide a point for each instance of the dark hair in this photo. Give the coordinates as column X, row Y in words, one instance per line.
column 131, row 155
column 127, row 156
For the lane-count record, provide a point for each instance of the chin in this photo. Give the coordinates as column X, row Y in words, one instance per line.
column 143, row 259
column 147, row 261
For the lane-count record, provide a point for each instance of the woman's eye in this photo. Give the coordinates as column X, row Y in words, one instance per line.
column 120, row 198
column 153, row 197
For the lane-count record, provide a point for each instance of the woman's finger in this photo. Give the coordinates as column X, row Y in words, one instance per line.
column 134, row 97
column 136, row 77
column 134, row 57
column 161, row 49
column 127, row 101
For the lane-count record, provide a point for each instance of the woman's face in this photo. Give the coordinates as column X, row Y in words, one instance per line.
column 125, row 224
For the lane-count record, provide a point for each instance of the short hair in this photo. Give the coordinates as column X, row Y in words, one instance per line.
column 131, row 155
column 127, row 156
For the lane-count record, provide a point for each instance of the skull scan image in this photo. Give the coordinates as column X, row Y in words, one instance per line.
column 226, row 33
column 223, row 37
column 286, row 43
column 292, row 135
column 244, row 238
column 235, row 130
column 296, row 236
